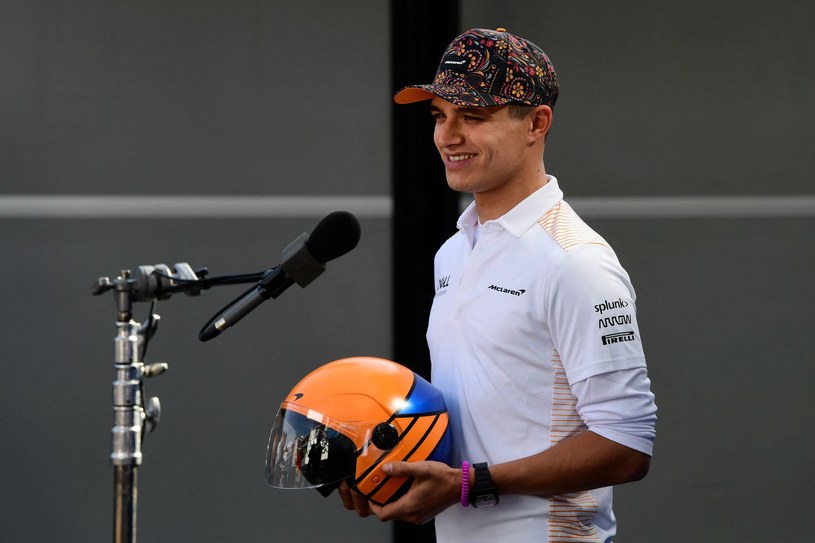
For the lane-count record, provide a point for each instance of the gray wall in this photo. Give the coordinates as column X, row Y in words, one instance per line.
column 182, row 98
column 191, row 98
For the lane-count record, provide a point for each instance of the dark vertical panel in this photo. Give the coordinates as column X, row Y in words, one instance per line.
column 425, row 209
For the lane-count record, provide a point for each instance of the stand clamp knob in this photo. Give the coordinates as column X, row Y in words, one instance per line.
column 152, row 413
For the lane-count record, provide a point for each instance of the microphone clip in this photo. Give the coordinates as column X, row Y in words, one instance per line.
column 299, row 263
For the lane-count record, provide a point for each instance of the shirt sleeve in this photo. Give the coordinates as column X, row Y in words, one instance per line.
column 591, row 314
column 619, row 406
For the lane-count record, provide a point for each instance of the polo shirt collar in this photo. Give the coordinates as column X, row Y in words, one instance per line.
column 517, row 220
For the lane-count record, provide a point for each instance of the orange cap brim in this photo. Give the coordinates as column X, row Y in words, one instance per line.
column 408, row 95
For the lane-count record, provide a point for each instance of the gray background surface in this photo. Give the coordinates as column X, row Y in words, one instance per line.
column 272, row 98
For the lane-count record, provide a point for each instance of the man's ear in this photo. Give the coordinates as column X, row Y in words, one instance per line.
column 541, row 122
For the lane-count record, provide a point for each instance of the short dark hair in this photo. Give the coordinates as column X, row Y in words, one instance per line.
column 519, row 111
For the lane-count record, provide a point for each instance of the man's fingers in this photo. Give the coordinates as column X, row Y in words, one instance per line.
column 345, row 495
column 384, row 512
column 361, row 505
column 376, row 510
column 353, row 500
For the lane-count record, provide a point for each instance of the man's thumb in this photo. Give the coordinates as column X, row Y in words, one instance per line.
column 396, row 468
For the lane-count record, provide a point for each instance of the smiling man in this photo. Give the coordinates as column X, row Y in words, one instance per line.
column 549, row 407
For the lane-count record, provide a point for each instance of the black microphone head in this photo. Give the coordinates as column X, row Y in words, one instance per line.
column 335, row 235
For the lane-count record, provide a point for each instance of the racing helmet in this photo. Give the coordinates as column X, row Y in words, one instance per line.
column 348, row 417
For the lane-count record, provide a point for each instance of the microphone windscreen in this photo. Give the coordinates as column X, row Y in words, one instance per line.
column 335, row 235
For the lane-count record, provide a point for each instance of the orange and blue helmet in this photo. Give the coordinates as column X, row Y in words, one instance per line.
column 347, row 418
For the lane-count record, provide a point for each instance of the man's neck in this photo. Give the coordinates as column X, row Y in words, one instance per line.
column 494, row 204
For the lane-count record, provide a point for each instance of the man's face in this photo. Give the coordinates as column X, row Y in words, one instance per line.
column 483, row 148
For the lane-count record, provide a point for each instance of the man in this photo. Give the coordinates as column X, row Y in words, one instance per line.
column 533, row 333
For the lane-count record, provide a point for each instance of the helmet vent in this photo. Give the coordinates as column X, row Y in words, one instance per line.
column 385, row 436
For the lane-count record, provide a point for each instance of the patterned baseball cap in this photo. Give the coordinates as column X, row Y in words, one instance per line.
column 488, row 68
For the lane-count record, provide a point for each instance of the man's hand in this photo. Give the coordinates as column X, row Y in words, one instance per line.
column 435, row 487
column 353, row 500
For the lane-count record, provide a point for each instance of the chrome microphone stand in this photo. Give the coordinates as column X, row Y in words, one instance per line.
column 132, row 415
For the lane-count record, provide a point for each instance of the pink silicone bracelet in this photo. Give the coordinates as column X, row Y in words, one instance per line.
column 465, row 483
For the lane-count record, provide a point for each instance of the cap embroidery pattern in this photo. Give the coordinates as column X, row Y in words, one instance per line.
column 487, row 68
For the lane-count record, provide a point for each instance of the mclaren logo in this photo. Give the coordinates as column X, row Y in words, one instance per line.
column 297, row 396
column 506, row 290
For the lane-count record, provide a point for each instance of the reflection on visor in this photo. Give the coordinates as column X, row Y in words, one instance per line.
column 304, row 453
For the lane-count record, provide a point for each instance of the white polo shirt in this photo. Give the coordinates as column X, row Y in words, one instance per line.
column 519, row 322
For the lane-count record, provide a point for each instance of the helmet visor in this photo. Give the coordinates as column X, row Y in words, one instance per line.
column 309, row 450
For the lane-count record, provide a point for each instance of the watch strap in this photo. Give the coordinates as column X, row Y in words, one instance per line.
column 483, row 493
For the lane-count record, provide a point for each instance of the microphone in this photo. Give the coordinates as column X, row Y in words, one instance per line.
column 302, row 261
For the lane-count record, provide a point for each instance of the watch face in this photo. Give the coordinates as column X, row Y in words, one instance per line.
column 486, row 500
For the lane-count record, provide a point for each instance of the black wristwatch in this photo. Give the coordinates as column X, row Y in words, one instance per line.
column 483, row 493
